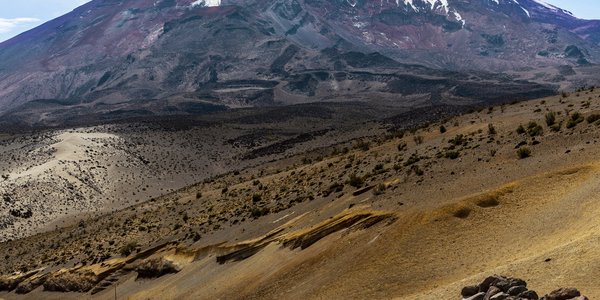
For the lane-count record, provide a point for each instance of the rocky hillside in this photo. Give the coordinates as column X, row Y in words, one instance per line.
column 419, row 214
column 114, row 59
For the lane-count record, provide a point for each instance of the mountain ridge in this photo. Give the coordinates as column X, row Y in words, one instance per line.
column 152, row 58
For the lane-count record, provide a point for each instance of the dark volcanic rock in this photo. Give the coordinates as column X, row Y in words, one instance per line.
column 469, row 291
column 485, row 285
column 532, row 295
column 492, row 291
column 478, row 296
column 499, row 288
column 563, row 294
column 517, row 290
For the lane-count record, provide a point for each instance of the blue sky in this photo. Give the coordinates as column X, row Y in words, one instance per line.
column 21, row 15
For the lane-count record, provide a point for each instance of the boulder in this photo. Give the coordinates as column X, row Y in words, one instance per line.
column 486, row 283
column 506, row 284
column 469, row 291
column 492, row 291
column 500, row 296
column 531, row 295
column 516, row 290
column 563, row 294
column 478, row 296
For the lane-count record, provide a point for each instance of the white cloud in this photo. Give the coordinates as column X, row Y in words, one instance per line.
column 7, row 25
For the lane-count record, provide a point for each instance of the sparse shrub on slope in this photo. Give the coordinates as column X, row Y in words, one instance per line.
column 418, row 139
column 355, row 180
column 418, row 171
column 593, row 118
column 452, row 154
column 533, row 129
column 414, row 158
column 575, row 119
column 379, row 189
column 128, row 248
column 491, row 129
column 402, row 146
column 523, row 153
column 458, row 140
column 256, row 198
column 362, row 145
column 258, row 212
column 550, row 118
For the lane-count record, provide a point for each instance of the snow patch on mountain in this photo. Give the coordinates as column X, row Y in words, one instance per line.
column 545, row 4
column 552, row 7
column 442, row 4
column 209, row 3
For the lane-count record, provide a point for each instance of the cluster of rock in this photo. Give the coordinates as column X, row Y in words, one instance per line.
column 507, row 288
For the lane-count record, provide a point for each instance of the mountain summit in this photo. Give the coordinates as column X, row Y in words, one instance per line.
column 115, row 58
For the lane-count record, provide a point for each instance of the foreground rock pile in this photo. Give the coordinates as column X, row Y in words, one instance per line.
column 507, row 288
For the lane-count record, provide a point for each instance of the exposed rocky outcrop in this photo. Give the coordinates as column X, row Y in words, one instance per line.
column 507, row 288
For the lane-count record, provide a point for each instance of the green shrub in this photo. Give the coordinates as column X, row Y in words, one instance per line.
column 442, row 129
column 418, row 139
column 378, row 167
column 556, row 127
column 523, row 153
column 536, row 131
column 550, row 118
column 334, row 188
column 379, row 189
column 355, row 180
column 452, row 154
column 256, row 198
column 402, row 146
column 362, row 145
column 521, row 129
column 259, row 212
column 418, row 171
column 593, row 118
column 458, row 140
column 491, row 129
column 414, row 158
column 128, row 248
column 575, row 119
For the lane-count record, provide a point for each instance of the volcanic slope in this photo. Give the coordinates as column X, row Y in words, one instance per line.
column 510, row 190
